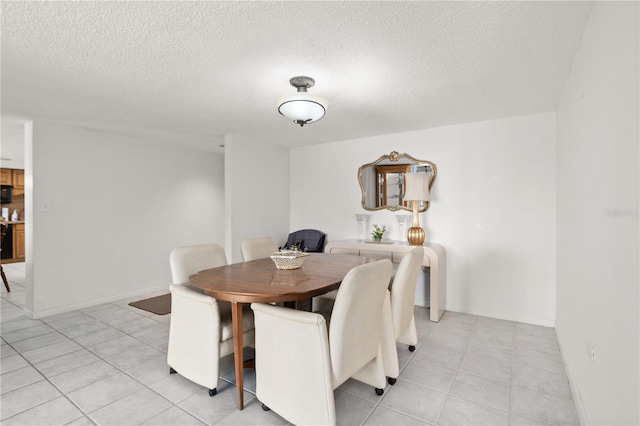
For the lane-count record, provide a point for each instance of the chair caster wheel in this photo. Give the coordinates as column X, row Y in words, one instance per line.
column 391, row 381
column 412, row 348
column 172, row 371
column 265, row 408
column 213, row 392
column 379, row 391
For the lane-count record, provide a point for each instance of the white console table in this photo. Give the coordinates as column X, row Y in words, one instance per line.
column 434, row 259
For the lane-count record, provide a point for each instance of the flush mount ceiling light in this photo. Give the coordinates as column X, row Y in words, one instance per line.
column 302, row 108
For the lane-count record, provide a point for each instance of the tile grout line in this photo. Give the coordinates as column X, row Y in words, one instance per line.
column 86, row 414
column 377, row 403
column 536, row 390
column 87, row 348
column 455, row 376
column 45, row 378
column 173, row 404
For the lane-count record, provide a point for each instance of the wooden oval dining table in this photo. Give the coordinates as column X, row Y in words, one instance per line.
column 259, row 281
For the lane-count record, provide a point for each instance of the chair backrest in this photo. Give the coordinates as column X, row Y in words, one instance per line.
column 185, row 261
column 293, row 364
column 257, row 248
column 310, row 240
column 403, row 289
column 356, row 319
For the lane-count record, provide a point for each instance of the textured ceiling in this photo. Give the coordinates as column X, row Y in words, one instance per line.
column 189, row 72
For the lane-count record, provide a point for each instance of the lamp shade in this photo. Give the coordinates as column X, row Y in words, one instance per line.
column 416, row 186
column 302, row 108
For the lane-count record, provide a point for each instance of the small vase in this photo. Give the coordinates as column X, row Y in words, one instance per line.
column 362, row 220
column 377, row 239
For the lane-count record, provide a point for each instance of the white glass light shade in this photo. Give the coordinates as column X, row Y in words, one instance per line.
column 416, row 186
column 302, row 107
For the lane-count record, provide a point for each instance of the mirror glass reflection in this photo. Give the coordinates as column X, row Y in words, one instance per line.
column 382, row 181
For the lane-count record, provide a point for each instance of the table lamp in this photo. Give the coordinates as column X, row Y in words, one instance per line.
column 416, row 190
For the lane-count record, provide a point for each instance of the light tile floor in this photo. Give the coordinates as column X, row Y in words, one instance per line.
column 106, row 365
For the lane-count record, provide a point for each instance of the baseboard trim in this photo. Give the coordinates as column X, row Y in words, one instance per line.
column 508, row 316
column 94, row 302
column 575, row 392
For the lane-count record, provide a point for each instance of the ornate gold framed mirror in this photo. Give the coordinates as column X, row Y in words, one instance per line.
column 382, row 181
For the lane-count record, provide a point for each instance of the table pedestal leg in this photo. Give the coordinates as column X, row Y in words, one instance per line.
column 238, row 349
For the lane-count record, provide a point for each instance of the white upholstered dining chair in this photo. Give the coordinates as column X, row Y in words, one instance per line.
column 299, row 362
column 403, row 296
column 201, row 331
column 257, row 248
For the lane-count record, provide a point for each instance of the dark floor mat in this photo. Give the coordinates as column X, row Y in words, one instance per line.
column 159, row 305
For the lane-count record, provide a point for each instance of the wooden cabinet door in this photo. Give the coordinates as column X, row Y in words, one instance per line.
column 17, row 176
column 19, row 251
column 5, row 177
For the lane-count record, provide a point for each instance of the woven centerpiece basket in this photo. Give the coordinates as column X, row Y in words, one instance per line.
column 289, row 259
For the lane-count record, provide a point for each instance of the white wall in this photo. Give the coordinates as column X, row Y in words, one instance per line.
column 598, row 184
column 257, row 192
column 116, row 208
column 492, row 207
column 11, row 143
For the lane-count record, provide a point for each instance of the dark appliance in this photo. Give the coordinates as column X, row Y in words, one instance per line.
column 6, row 194
column 7, row 244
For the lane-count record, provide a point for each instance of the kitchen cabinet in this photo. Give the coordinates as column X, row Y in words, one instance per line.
column 13, row 246
column 6, row 177
column 17, row 179
column 19, row 250
column 13, row 177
